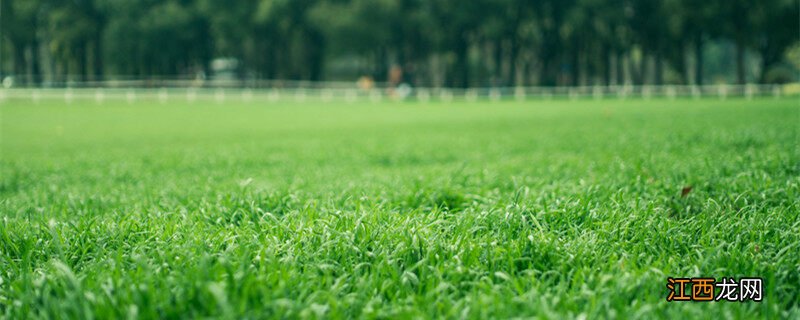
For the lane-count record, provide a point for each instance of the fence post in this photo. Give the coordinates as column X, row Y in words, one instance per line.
column 274, row 95
column 519, row 93
column 99, row 96
column 646, row 92
column 247, row 95
column 131, row 96
column 163, row 96
column 300, row 95
column 597, row 92
column 776, row 91
column 446, row 96
column 191, row 95
column 423, row 95
column 351, row 96
column 671, row 92
column 722, row 90
column 68, row 96
column 326, row 95
column 495, row 95
column 573, row 94
column 375, row 96
column 471, row 95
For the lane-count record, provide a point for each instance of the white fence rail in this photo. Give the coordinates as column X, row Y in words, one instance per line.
column 353, row 94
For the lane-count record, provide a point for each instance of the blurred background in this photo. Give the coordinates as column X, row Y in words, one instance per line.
column 433, row 43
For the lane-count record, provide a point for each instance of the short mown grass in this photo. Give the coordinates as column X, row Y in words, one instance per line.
column 544, row 209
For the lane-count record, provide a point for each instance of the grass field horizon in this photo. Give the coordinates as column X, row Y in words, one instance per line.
column 545, row 209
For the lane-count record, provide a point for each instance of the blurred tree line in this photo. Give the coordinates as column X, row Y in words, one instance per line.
column 435, row 42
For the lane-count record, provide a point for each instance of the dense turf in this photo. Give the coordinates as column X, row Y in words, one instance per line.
column 396, row 210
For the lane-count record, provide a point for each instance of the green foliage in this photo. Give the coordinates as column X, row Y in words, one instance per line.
column 440, row 42
column 474, row 210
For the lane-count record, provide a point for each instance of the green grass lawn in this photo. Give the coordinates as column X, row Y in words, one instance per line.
column 469, row 210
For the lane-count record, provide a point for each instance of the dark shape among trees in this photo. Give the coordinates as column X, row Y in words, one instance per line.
column 436, row 42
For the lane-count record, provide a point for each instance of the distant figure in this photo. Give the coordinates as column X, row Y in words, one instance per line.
column 395, row 75
column 397, row 88
column 365, row 83
column 403, row 91
column 8, row 82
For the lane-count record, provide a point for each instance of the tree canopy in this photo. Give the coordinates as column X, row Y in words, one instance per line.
column 434, row 42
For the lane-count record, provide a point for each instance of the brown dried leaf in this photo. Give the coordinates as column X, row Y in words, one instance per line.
column 685, row 191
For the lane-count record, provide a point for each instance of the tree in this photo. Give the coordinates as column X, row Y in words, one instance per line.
column 466, row 43
column 459, row 23
column 653, row 38
column 21, row 22
column 775, row 30
column 551, row 18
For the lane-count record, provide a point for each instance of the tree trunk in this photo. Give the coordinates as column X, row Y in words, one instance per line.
column 462, row 65
column 547, row 74
column 527, row 78
column 550, row 65
column 575, row 69
column 740, row 67
column 641, row 69
column 606, row 65
column 513, row 57
column 19, row 59
column 698, row 61
column 271, row 62
column 680, row 63
column 316, row 57
column 381, row 68
column 620, row 68
column 36, row 68
column 498, row 62
column 97, row 63
column 82, row 62
column 550, row 53
column 767, row 62
column 659, row 69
